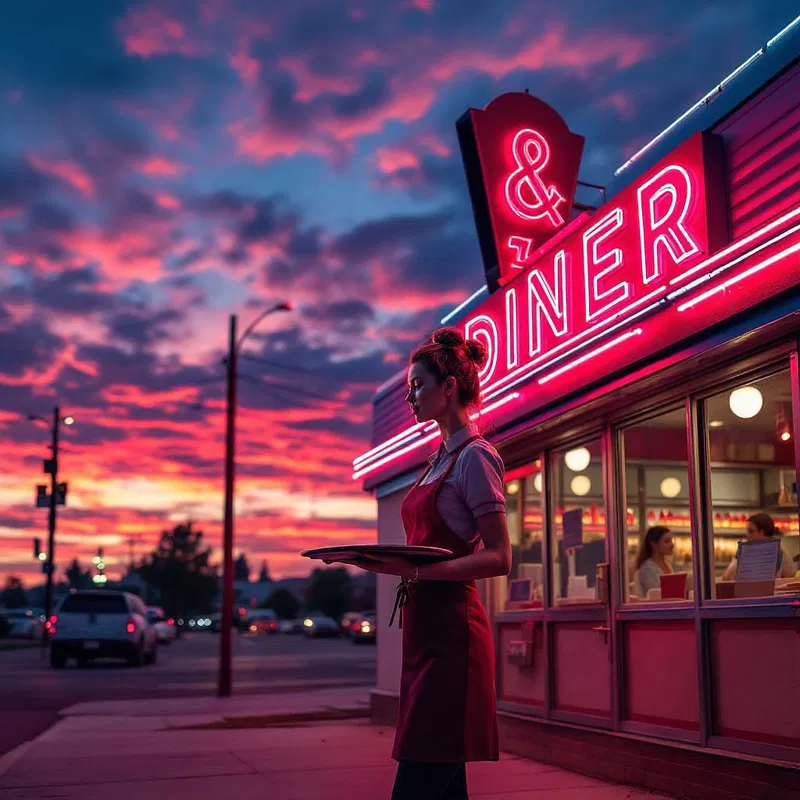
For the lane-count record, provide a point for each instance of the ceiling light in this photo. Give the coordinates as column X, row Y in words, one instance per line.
column 670, row 487
column 578, row 459
column 716, row 423
column 537, row 482
column 746, row 402
column 580, row 485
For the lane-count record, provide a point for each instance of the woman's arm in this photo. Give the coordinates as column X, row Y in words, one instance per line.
column 493, row 560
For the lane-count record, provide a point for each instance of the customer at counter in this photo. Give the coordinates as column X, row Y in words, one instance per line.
column 651, row 560
column 760, row 526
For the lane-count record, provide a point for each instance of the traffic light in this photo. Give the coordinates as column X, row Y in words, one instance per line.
column 37, row 547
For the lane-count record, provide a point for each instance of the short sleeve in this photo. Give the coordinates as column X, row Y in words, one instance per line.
column 480, row 480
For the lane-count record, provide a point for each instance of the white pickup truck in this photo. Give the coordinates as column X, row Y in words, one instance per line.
column 101, row 624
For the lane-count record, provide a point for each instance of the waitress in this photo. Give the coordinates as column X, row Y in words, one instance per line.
column 447, row 710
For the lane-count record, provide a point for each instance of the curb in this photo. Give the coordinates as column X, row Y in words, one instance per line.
column 12, row 756
column 277, row 720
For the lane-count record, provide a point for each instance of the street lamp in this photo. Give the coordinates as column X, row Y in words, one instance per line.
column 51, row 467
column 226, row 622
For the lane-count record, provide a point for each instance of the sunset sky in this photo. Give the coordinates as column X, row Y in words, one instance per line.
column 166, row 163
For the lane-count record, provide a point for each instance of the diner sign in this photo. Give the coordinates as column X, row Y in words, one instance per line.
column 605, row 270
column 582, row 296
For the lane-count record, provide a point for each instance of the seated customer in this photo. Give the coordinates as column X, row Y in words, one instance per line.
column 759, row 527
column 651, row 560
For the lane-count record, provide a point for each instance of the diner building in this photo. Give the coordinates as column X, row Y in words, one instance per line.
column 643, row 373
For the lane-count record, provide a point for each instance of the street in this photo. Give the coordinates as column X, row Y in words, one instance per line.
column 32, row 693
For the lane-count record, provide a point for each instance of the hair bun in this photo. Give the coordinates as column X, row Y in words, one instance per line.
column 448, row 337
column 477, row 352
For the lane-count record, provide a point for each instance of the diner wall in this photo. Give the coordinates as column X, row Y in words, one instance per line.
column 755, row 672
column 661, row 673
column 762, row 150
column 520, row 683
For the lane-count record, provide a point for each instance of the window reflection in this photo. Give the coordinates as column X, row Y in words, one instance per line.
column 753, row 485
column 579, row 523
column 659, row 539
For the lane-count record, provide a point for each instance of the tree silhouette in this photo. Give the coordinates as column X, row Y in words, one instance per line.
column 283, row 603
column 180, row 569
column 14, row 594
column 263, row 576
column 329, row 592
column 241, row 569
column 78, row 579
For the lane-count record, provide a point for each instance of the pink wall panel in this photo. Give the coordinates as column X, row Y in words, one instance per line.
column 518, row 684
column 756, row 668
column 661, row 674
column 582, row 669
column 762, row 147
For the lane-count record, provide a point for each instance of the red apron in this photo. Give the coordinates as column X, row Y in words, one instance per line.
column 447, row 701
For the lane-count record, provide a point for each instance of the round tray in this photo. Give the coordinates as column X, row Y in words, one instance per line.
column 415, row 554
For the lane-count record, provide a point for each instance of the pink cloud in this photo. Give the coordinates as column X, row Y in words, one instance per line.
column 67, row 171
column 152, row 32
column 161, row 167
column 310, row 85
column 552, row 50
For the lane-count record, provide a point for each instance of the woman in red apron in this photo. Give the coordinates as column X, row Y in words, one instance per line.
column 447, row 698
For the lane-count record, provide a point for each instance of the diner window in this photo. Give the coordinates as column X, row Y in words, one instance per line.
column 524, row 514
column 658, row 524
column 579, row 523
column 753, row 492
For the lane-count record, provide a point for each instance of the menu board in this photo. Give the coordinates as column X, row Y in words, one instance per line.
column 572, row 526
column 758, row 561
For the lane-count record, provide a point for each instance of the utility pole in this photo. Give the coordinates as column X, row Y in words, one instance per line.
column 51, row 526
column 226, row 621
column 224, row 688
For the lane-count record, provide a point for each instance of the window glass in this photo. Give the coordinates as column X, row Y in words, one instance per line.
column 99, row 603
column 524, row 514
column 579, row 523
column 658, row 529
column 753, row 489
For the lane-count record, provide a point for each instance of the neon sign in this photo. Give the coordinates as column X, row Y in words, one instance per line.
column 522, row 168
column 646, row 271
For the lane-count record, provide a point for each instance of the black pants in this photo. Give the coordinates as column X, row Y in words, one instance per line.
column 417, row 780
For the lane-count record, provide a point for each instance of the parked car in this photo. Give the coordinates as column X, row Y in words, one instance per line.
column 318, row 626
column 24, row 624
column 350, row 621
column 164, row 626
column 291, row 626
column 366, row 629
column 261, row 620
column 101, row 624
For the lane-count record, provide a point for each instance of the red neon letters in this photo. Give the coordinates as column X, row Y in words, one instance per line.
column 612, row 267
column 522, row 168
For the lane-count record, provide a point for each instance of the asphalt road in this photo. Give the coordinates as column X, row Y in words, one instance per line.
column 32, row 693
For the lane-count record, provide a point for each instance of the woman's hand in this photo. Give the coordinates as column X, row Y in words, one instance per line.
column 388, row 565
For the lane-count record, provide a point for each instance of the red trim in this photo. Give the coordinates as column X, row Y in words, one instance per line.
column 580, row 710
column 526, row 701
column 663, row 722
column 761, row 738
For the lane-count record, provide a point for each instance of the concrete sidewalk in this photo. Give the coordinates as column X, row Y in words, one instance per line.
column 209, row 749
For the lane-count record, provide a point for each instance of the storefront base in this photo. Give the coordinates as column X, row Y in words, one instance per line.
column 680, row 770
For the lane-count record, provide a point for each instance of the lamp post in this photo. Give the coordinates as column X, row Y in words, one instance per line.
column 52, row 468
column 226, row 622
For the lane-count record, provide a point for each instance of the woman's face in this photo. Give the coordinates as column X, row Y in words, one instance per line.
column 665, row 545
column 426, row 396
column 754, row 533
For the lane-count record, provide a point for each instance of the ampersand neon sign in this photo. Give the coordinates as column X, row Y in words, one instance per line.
column 526, row 193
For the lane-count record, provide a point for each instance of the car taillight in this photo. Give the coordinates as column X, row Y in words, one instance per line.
column 131, row 626
column 170, row 621
column 51, row 624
